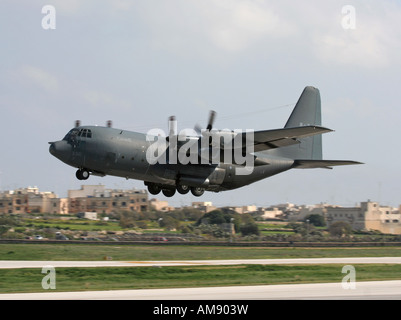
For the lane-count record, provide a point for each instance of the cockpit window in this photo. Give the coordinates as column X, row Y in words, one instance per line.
column 71, row 134
column 83, row 133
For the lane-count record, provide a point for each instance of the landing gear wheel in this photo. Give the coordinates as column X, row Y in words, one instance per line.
column 197, row 191
column 154, row 189
column 168, row 192
column 183, row 189
column 82, row 174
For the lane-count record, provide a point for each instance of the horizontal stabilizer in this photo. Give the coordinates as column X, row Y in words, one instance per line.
column 326, row 164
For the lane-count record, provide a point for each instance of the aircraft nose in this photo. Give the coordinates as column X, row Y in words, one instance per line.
column 60, row 149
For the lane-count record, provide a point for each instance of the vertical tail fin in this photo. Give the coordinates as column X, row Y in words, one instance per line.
column 307, row 111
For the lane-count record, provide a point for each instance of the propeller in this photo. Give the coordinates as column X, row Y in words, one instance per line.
column 209, row 127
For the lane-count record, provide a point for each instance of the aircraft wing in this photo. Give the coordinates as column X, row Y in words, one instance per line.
column 271, row 139
column 326, row 164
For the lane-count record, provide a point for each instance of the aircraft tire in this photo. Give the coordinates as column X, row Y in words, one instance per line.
column 197, row 191
column 82, row 174
column 168, row 192
column 154, row 189
column 183, row 189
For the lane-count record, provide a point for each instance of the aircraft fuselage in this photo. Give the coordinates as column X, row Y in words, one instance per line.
column 109, row 151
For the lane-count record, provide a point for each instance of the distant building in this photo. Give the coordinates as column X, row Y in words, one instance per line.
column 300, row 213
column 31, row 200
column 101, row 200
column 273, row 213
column 204, row 206
column 87, row 215
column 160, row 205
column 369, row 216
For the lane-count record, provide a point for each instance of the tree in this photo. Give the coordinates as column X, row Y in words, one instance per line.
column 249, row 228
column 316, row 219
column 340, row 228
column 169, row 222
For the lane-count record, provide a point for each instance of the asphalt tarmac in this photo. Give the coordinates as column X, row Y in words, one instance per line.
column 10, row 264
column 375, row 290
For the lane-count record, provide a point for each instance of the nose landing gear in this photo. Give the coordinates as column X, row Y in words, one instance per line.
column 82, row 174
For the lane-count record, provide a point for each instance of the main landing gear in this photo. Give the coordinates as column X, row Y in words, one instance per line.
column 170, row 191
column 82, row 174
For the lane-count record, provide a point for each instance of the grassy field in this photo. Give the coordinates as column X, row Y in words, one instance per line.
column 78, row 279
column 160, row 252
column 81, row 279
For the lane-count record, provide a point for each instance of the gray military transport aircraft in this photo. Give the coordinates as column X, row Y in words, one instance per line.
column 210, row 160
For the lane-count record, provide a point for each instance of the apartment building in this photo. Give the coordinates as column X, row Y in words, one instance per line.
column 368, row 216
column 31, row 200
column 96, row 198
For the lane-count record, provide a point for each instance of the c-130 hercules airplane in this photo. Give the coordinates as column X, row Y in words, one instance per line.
column 210, row 160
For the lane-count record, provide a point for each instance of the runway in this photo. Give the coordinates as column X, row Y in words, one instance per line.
column 14, row 264
column 377, row 290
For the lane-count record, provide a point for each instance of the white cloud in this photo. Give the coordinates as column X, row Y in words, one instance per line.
column 39, row 78
column 375, row 42
column 234, row 26
column 216, row 28
column 98, row 99
column 211, row 27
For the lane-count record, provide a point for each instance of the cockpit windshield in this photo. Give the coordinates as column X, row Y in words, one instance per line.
column 83, row 133
column 72, row 133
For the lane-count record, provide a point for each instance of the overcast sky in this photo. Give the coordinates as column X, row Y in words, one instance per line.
column 138, row 62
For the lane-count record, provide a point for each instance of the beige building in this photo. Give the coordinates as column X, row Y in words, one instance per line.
column 31, row 200
column 204, row 206
column 101, row 200
column 273, row 213
column 369, row 216
column 160, row 205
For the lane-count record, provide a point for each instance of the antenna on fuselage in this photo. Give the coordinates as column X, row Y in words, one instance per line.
column 77, row 123
column 109, row 124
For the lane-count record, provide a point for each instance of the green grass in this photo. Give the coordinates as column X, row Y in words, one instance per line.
column 81, row 279
column 73, row 279
column 185, row 252
column 74, row 224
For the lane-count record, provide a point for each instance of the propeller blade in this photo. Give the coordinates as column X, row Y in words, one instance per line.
column 212, row 115
column 198, row 129
column 172, row 126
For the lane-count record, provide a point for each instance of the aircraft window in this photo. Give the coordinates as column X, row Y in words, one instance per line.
column 85, row 133
column 71, row 134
